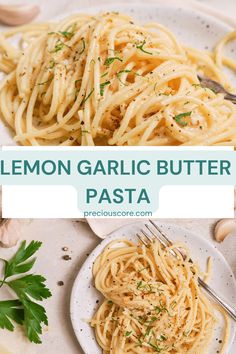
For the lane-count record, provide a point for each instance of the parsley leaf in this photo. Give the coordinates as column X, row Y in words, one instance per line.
column 11, row 310
column 110, row 60
column 35, row 314
column 16, row 264
column 23, row 310
column 179, row 118
column 30, row 286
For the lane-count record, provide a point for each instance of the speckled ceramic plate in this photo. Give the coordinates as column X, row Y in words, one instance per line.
column 85, row 298
column 191, row 27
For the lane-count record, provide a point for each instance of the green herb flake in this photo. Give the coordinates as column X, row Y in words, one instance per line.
column 83, row 46
column 111, row 60
column 139, row 285
column 102, row 87
column 155, row 347
column 110, row 302
column 76, row 82
column 140, row 47
column 148, row 331
column 58, row 47
column 86, row 98
column 45, row 82
column 128, row 334
column 105, row 74
column 162, row 338
column 120, row 73
column 179, row 118
column 52, row 64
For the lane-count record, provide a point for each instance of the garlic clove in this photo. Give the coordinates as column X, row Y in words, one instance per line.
column 9, row 232
column 15, row 15
column 224, row 228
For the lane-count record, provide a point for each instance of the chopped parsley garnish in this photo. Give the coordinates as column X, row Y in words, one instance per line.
column 76, row 82
column 128, row 334
column 123, row 71
column 66, row 34
column 86, row 98
column 120, row 73
column 59, row 46
column 45, row 82
column 110, row 302
column 148, row 331
column 155, row 347
column 139, row 285
column 111, row 60
column 69, row 34
column 83, row 46
column 105, row 74
column 52, row 64
column 179, row 118
column 140, row 46
column 162, row 338
column 102, row 87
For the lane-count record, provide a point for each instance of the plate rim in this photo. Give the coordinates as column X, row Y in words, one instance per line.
column 92, row 256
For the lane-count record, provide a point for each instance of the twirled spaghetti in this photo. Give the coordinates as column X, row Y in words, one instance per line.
column 153, row 303
column 105, row 80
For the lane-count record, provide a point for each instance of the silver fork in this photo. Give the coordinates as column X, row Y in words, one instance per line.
column 216, row 87
column 153, row 232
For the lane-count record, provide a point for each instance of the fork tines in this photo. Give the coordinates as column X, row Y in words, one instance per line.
column 153, row 232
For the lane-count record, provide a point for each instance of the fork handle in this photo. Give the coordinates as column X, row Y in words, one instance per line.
column 228, row 308
column 230, row 97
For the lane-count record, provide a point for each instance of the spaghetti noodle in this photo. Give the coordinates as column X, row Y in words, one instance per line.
column 105, row 80
column 153, row 302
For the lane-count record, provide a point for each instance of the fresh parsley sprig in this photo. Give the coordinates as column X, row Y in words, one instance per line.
column 24, row 311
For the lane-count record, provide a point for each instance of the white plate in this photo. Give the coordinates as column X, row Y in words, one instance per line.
column 191, row 27
column 84, row 296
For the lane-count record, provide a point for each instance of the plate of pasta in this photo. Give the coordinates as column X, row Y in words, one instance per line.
column 118, row 75
column 132, row 298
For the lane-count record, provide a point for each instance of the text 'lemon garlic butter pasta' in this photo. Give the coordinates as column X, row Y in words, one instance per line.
column 153, row 303
column 106, row 80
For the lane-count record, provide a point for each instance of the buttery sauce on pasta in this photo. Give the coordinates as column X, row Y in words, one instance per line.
column 152, row 301
column 106, row 80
